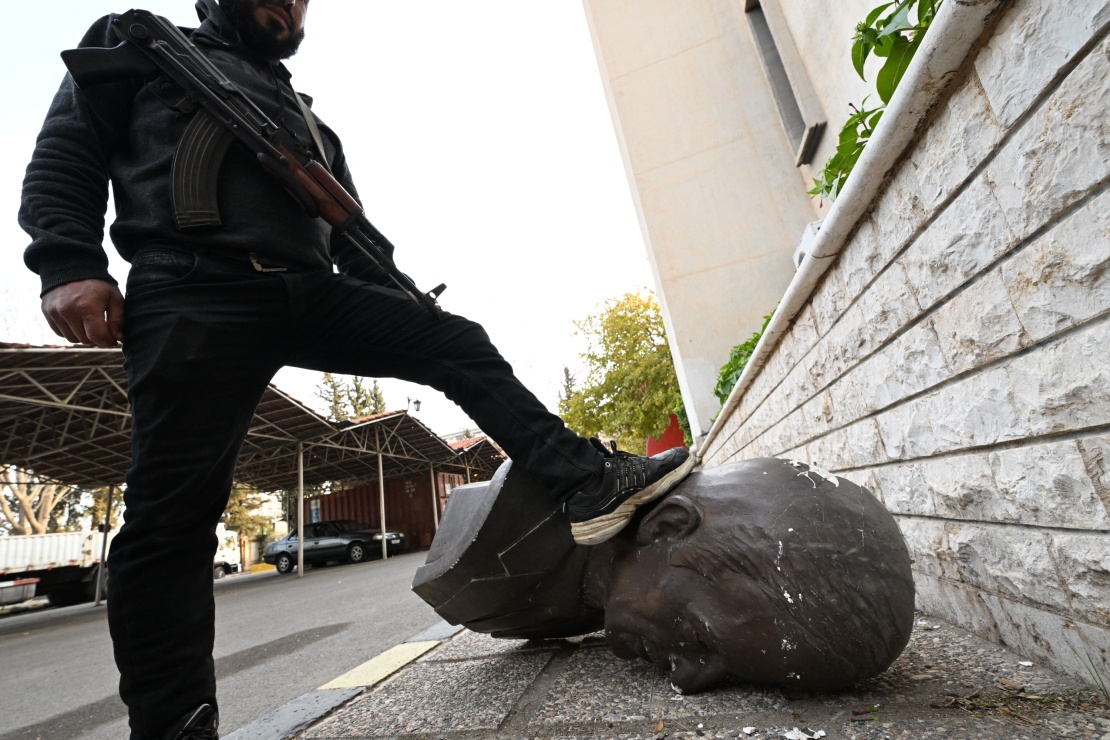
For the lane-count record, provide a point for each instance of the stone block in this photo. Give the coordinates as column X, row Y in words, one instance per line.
column 804, row 329
column 1027, row 629
column 1083, row 561
column 854, row 333
column 889, row 305
column 819, row 414
column 791, row 389
column 1033, row 41
column 775, row 369
column 905, row 490
column 761, row 419
column 758, row 388
column 968, row 236
column 906, row 433
column 819, row 368
column 955, row 602
column 915, row 362
column 794, row 430
column 1096, row 458
column 1061, row 641
column 738, row 442
column 717, row 452
column 801, row 452
column 767, row 443
column 864, row 479
column 786, row 351
column 861, row 260
column 744, row 408
column 828, row 300
column 1008, row 562
column 834, row 451
column 850, row 396
column 983, row 409
column 822, row 452
column 963, row 487
column 881, row 384
column 979, row 325
column 898, row 213
column 1060, row 152
column 1048, row 485
column 1063, row 278
column 955, row 142
column 924, row 538
column 862, row 443
column 1061, row 386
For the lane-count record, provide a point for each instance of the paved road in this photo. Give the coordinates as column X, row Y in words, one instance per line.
column 276, row 638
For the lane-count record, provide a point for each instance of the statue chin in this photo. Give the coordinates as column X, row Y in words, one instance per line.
column 764, row 571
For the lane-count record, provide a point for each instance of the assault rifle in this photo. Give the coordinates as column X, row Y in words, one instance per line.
column 150, row 45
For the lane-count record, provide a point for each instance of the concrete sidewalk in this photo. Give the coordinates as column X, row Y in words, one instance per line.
column 947, row 684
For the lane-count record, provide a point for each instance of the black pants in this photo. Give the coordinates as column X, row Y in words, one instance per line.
column 203, row 336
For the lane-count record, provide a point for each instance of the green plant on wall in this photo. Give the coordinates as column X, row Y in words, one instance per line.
column 889, row 33
column 737, row 361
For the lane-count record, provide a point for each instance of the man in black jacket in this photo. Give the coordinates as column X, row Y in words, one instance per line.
column 212, row 314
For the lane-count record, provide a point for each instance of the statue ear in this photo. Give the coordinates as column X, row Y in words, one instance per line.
column 673, row 518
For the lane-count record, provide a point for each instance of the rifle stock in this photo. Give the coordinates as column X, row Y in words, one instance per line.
column 93, row 66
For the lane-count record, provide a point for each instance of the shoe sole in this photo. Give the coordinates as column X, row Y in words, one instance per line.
column 599, row 529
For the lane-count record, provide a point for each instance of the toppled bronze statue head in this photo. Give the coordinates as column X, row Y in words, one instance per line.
column 765, row 571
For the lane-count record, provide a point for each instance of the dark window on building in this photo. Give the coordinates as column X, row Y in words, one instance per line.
column 801, row 117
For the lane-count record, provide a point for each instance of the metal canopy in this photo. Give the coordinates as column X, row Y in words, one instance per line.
column 64, row 414
column 479, row 457
column 347, row 452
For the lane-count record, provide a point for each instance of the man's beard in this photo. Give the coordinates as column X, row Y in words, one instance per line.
column 260, row 39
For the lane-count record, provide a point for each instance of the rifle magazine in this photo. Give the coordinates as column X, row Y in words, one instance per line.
column 196, row 171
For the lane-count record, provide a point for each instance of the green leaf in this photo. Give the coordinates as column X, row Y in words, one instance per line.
column 899, row 21
column 737, row 361
column 891, row 74
column 884, row 45
column 860, row 50
column 874, row 14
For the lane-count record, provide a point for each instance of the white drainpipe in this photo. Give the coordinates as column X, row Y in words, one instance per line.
column 952, row 35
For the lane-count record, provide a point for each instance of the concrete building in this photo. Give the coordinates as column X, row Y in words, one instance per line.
column 946, row 340
column 697, row 90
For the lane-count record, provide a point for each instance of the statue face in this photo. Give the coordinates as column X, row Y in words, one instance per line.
column 692, row 627
column 756, row 571
column 672, row 621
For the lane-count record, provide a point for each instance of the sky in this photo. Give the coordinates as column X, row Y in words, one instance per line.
column 481, row 144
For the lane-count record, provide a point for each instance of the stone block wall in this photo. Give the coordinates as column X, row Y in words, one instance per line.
column 956, row 357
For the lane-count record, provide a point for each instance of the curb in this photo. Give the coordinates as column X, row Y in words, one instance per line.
column 304, row 711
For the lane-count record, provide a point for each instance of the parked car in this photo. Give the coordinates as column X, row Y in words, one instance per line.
column 341, row 539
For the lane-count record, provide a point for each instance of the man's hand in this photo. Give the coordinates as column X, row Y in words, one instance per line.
column 88, row 312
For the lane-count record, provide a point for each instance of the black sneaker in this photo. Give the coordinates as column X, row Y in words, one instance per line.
column 200, row 724
column 627, row 481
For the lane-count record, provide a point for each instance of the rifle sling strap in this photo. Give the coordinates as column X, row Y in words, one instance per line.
column 313, row 129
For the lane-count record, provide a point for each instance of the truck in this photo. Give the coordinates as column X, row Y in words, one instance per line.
column 228, row 559
column 67, row 564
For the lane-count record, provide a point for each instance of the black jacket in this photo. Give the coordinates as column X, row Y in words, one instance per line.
column 122, row 133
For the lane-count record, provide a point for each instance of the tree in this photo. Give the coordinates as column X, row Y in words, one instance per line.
column 237, row 515
column 631, row 388
column 364, row 401
column 569, row 383
column 349, row 399
column 29, row 504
